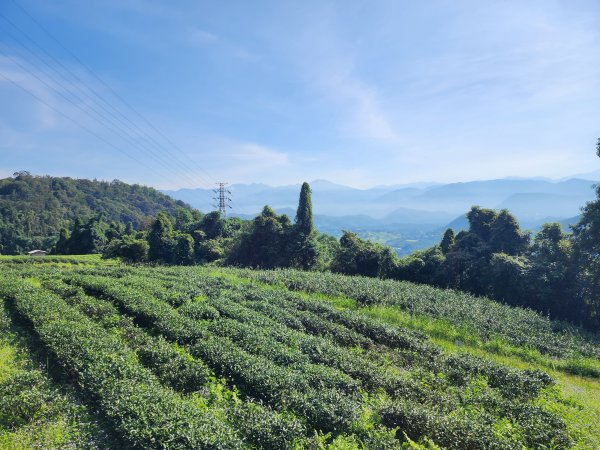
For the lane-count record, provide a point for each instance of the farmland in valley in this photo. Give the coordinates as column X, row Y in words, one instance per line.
column 99, row 354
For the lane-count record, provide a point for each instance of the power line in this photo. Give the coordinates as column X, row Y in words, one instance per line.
column 145, row 135
column 62, row 95
column 38, row 98
column 116, row 127
column 119, row 97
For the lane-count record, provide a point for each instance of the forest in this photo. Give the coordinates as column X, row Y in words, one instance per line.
column 33, row 209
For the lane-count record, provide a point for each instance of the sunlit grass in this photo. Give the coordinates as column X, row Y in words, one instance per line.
column 575, row 398
column 59, row 260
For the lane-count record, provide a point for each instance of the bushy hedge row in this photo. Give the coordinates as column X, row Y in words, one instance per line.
column 237, row 302
column 171, row 366
column 518, row 326
column 145, row 413
column 275, row 317
column 259, row 342
column 322, row 318
column 279, row 347
column 35, row 410
column 475, row 429
column 311, row 348
column 318, row 317
column 178, row 369
column 315, row 394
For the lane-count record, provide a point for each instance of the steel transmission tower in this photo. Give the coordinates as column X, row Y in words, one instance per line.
column 222, row 198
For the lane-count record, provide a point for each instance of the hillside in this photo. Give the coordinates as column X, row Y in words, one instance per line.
column 179, row 358
column 33, row 209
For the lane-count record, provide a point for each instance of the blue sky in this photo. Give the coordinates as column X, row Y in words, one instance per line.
column 357, row 92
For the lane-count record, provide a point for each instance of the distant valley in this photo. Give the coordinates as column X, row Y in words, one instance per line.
column 412, row 216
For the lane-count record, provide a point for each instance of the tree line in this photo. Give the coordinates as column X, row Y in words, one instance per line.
column 188, row 237
column 555, row 272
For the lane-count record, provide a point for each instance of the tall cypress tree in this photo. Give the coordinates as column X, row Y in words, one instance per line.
column 304, row 216
column 304, row 247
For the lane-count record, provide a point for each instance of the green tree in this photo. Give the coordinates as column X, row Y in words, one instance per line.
column 447, row 241
column 481, row 221
column 183, row 252
column 550, row 275
column 183, row 219
column 586, row 257
column 423, row 266
column 356, row 256
column 209, row 250
column 128, row 248
column 304, row 247
column 62, row 245
column 160, row 239
column 213, row 225
column 129, row 230
column 328, row 248
column 265, row 244
column 115, row 231
column 507, row 281
column 88, row 237
column 465, row 266
column 506, row 235
column 75, row 241
column 304, row 215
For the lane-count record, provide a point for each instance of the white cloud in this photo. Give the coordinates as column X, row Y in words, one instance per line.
column 13, row 76
column 259, row 154
column 52, row 95
column 202, row 38
column 248, row 161
column 223, row 159
column 198, row 36
column 329, row 67
column 360, row 105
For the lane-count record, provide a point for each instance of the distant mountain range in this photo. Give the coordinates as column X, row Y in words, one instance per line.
column 414, row 215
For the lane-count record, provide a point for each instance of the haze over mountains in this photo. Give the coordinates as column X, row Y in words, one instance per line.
column 411, row 216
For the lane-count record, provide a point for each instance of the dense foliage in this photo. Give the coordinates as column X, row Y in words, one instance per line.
column 269, row 240
column 176, row 357
column 34, row 209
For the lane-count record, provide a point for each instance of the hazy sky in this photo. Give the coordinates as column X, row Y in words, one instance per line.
column 356, row 92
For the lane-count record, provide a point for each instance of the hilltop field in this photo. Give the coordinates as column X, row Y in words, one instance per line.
column 99, row 354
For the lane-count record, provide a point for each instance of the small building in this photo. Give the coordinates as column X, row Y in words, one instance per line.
column 37, row 253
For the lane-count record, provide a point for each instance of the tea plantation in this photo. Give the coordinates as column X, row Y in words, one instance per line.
column 104, row 355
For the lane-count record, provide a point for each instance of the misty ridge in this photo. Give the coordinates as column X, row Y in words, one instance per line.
column 412, row 216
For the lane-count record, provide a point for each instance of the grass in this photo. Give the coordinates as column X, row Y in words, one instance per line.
column 444, row 330
column 59, row 260
column 575, row 398
column 34, row 413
